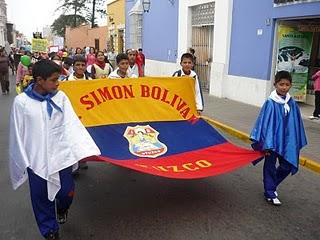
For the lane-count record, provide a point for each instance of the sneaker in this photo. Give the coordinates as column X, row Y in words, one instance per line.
column 53, row 236
column 313, row 117
column 274, row 201
column 62, row 216
column 276, row 193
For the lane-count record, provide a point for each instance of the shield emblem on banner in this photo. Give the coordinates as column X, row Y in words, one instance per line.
column 143, row 141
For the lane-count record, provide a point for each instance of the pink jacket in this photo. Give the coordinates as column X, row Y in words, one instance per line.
column 316, row 78
column 21, row 72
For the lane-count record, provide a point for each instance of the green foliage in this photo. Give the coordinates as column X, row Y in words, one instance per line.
column 60, row 24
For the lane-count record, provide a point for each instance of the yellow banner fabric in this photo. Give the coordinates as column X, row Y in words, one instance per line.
column 109, row 101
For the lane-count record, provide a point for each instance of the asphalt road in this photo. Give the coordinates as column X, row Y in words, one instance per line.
column 119, row 204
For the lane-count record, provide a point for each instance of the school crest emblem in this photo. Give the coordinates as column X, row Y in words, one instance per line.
column 143, row 142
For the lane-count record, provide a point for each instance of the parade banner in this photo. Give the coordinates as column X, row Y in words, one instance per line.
column 151, row 125
column 39, row 45
column 294, row 48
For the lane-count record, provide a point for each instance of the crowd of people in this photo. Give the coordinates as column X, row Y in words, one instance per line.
column 41, row 111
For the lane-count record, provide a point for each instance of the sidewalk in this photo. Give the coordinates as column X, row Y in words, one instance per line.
column 242, row 116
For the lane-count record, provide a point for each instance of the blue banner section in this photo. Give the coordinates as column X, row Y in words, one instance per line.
column 127, row 141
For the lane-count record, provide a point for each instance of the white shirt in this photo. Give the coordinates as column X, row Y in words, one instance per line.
column 46, row 145
column 115, row 74
column 133, row 70
column 72, row 77
column 198, row 94
column 112, row 56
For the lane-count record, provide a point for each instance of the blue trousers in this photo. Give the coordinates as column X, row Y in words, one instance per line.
column 272, row 175
column 44, row 209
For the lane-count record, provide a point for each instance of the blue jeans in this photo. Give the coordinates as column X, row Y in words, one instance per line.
column 44, row 209
column 272, row 175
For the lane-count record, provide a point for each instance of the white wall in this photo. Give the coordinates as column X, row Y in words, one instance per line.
column 247, row 90
column 159, row 68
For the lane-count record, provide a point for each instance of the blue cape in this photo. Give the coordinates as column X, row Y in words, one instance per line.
column 282, row 134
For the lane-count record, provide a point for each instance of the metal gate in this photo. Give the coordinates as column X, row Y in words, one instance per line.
column 202, row 41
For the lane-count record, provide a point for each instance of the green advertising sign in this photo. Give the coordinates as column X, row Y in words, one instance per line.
column 294, row 50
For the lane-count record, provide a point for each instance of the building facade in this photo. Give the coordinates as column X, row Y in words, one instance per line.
column 156, row 32
column 268, row 36
column 116, row 25
column 3, row 23
column 86, row 36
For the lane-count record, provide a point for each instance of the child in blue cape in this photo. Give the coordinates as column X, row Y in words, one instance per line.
column 279, row 133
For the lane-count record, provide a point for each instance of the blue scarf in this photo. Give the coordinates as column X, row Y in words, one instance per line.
column 48, row 98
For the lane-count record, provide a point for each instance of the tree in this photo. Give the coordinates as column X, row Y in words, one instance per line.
column 98, row 6
column 77, row 7
column 60, row 24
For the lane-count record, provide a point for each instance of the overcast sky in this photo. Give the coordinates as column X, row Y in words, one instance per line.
column 32, row 15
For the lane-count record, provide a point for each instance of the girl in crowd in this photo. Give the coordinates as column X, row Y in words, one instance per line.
column 91, row 57
column 100, row 69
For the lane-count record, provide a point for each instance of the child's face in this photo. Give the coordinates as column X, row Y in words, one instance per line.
column 283, row 86
column 186, row 64
column 123, row 65
column 51, row 84
column 79, row 68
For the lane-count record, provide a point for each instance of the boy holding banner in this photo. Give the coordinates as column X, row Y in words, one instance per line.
column 46, row 140
column 186, row 70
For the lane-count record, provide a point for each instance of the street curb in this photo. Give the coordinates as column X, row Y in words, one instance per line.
column 304, row 161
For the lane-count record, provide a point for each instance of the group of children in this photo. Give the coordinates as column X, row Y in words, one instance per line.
column 43, row 113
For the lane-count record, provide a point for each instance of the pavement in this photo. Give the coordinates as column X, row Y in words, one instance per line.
column 119, row 204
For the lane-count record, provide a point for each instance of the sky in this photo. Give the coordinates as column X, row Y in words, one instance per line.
column 32, row 15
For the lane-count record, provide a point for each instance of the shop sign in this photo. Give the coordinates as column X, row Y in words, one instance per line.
column 294, row 49
column 277, row 3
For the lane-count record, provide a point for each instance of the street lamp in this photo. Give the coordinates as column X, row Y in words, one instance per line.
column 146, row 5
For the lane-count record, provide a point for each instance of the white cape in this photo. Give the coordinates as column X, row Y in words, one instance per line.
column 46, row 145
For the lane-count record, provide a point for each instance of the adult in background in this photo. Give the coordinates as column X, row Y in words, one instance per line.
column 141, row 60
column 192, row 51
column 133, row 67
column 4, row 72
column 91, row 57
column 112, row 58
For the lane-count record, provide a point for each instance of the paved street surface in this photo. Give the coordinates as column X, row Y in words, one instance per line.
column 119, row 204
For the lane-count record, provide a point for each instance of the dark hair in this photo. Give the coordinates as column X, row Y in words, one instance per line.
column 121, row 56
column 192, row 51
column 56, row 57
column 282, row 75
column 140, row 49
column 68, row 61
column 99, row 52
column 44, row 69
column 187, row 55
column 79, row 58
column 78, row 49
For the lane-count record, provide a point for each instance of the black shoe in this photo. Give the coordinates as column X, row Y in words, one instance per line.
column 53, row 236
column 62, row 216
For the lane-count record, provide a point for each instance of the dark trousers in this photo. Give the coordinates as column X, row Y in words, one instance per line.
column 4, row 79
column 316, row 112
column 44, row 209
column 272, row 175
